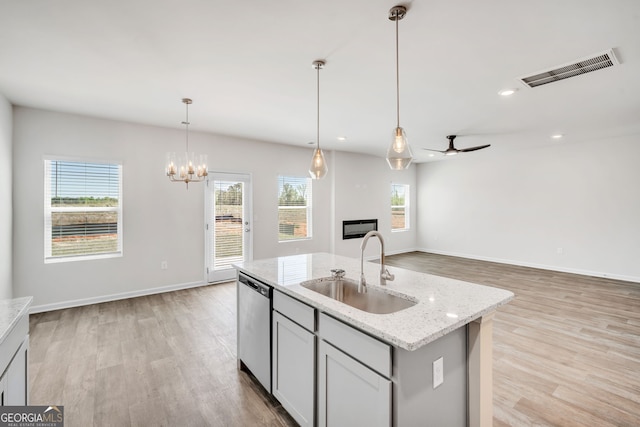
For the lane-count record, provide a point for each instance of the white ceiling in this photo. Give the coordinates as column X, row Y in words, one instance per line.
column 247, row 66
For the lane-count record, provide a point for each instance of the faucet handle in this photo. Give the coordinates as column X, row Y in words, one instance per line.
column 387, row 276
column 337, row 273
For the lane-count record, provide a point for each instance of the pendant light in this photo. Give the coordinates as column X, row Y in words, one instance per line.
column 318, row 168
column 399, row 155
column 184, row 168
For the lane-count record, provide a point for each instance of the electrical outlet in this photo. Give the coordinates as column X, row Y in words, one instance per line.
column 164, row 265
column 559, row 251
column 438, row 372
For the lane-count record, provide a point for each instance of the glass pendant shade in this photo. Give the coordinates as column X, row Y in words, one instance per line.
column 399, row 155
column 318, row 168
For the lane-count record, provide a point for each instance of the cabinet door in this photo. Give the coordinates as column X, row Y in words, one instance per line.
column 293, row 369
column 3, row 390
column 349, row 393
column 17, row 378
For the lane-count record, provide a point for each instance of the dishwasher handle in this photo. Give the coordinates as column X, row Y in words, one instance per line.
column 261, row 288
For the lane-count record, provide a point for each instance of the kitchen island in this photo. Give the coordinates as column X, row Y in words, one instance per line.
column 14, row 347
column 432, row 361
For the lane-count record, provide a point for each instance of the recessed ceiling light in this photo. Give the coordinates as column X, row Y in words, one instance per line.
column 557, row 136
column 341, row 138
column 507, row 92
column 432, row 155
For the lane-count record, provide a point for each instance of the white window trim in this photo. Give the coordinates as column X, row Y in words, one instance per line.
column 308, row 207
column 406, row 207
column 48, row 210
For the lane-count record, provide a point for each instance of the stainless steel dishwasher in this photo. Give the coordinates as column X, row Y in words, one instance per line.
column 254, row 328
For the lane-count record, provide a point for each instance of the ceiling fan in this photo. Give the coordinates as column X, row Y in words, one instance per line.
column 453, row 150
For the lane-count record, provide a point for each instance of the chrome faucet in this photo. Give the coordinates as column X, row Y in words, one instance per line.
column 384, row 273
column 337, row 273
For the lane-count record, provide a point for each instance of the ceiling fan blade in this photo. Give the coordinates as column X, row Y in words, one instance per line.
column 429, row 149
column 479, row 147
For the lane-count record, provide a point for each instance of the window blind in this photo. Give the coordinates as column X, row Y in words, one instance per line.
column 294, row 208
column 228, row 214
column 83, row 210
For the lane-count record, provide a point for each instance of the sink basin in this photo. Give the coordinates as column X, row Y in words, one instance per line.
column 346, row 291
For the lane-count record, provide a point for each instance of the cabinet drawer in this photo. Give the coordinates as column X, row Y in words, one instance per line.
column 368, row 350
column 295, row 310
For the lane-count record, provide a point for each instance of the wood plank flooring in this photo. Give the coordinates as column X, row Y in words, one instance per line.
column 160, row 360
column 566, row 353
column 566, row 349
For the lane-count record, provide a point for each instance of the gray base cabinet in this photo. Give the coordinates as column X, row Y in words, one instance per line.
column 294, row 357
column 294, row 369
column 14, row 381
column 14, row 366
column 327, row 373
column 349, row 393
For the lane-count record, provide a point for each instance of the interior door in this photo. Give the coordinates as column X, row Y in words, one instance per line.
column 228, row 224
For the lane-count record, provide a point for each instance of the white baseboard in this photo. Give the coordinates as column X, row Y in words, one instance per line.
column 534, row 265
column 112, row 297
column 402, row 251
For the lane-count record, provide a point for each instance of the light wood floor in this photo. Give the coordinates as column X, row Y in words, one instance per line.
column 566, row 353
column 566, row 349
column 160, row 360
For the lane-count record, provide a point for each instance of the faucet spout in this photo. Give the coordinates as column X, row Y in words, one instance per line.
column 384, row 272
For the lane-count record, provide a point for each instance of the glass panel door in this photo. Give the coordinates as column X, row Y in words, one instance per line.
column 228, row 227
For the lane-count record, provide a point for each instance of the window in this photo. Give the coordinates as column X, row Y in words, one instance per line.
column 399, row 207
column 294, row 208
column 82, row 210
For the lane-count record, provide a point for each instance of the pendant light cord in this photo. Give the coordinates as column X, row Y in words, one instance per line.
column 397, row 73
column 318, row 108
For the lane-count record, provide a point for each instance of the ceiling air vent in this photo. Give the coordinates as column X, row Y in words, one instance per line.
column 595, row 62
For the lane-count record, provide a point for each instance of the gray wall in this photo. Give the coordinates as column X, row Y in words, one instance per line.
column 6, row 180
column 162, row 220
column 363, row 191
column 520, row 206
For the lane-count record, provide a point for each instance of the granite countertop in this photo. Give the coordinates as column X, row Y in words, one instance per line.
column 11, row 310
column 443, row 304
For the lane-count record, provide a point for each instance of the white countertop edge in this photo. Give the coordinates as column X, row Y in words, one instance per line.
column 12, row 310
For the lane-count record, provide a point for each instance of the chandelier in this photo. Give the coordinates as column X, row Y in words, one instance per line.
column 183, row 167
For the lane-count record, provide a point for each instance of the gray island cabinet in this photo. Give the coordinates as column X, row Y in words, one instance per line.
column 335, row 365
column 14, row 348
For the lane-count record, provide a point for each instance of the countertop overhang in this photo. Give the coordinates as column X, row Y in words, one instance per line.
column 11, row 310
column 444, row 304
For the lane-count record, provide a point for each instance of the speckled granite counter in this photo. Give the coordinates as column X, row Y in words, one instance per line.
column 11, row 310
column 443, row 304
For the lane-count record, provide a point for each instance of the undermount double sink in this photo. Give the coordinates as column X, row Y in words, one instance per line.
column 345, row 290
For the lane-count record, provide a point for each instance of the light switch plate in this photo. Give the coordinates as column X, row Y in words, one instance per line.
column 438, row 372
